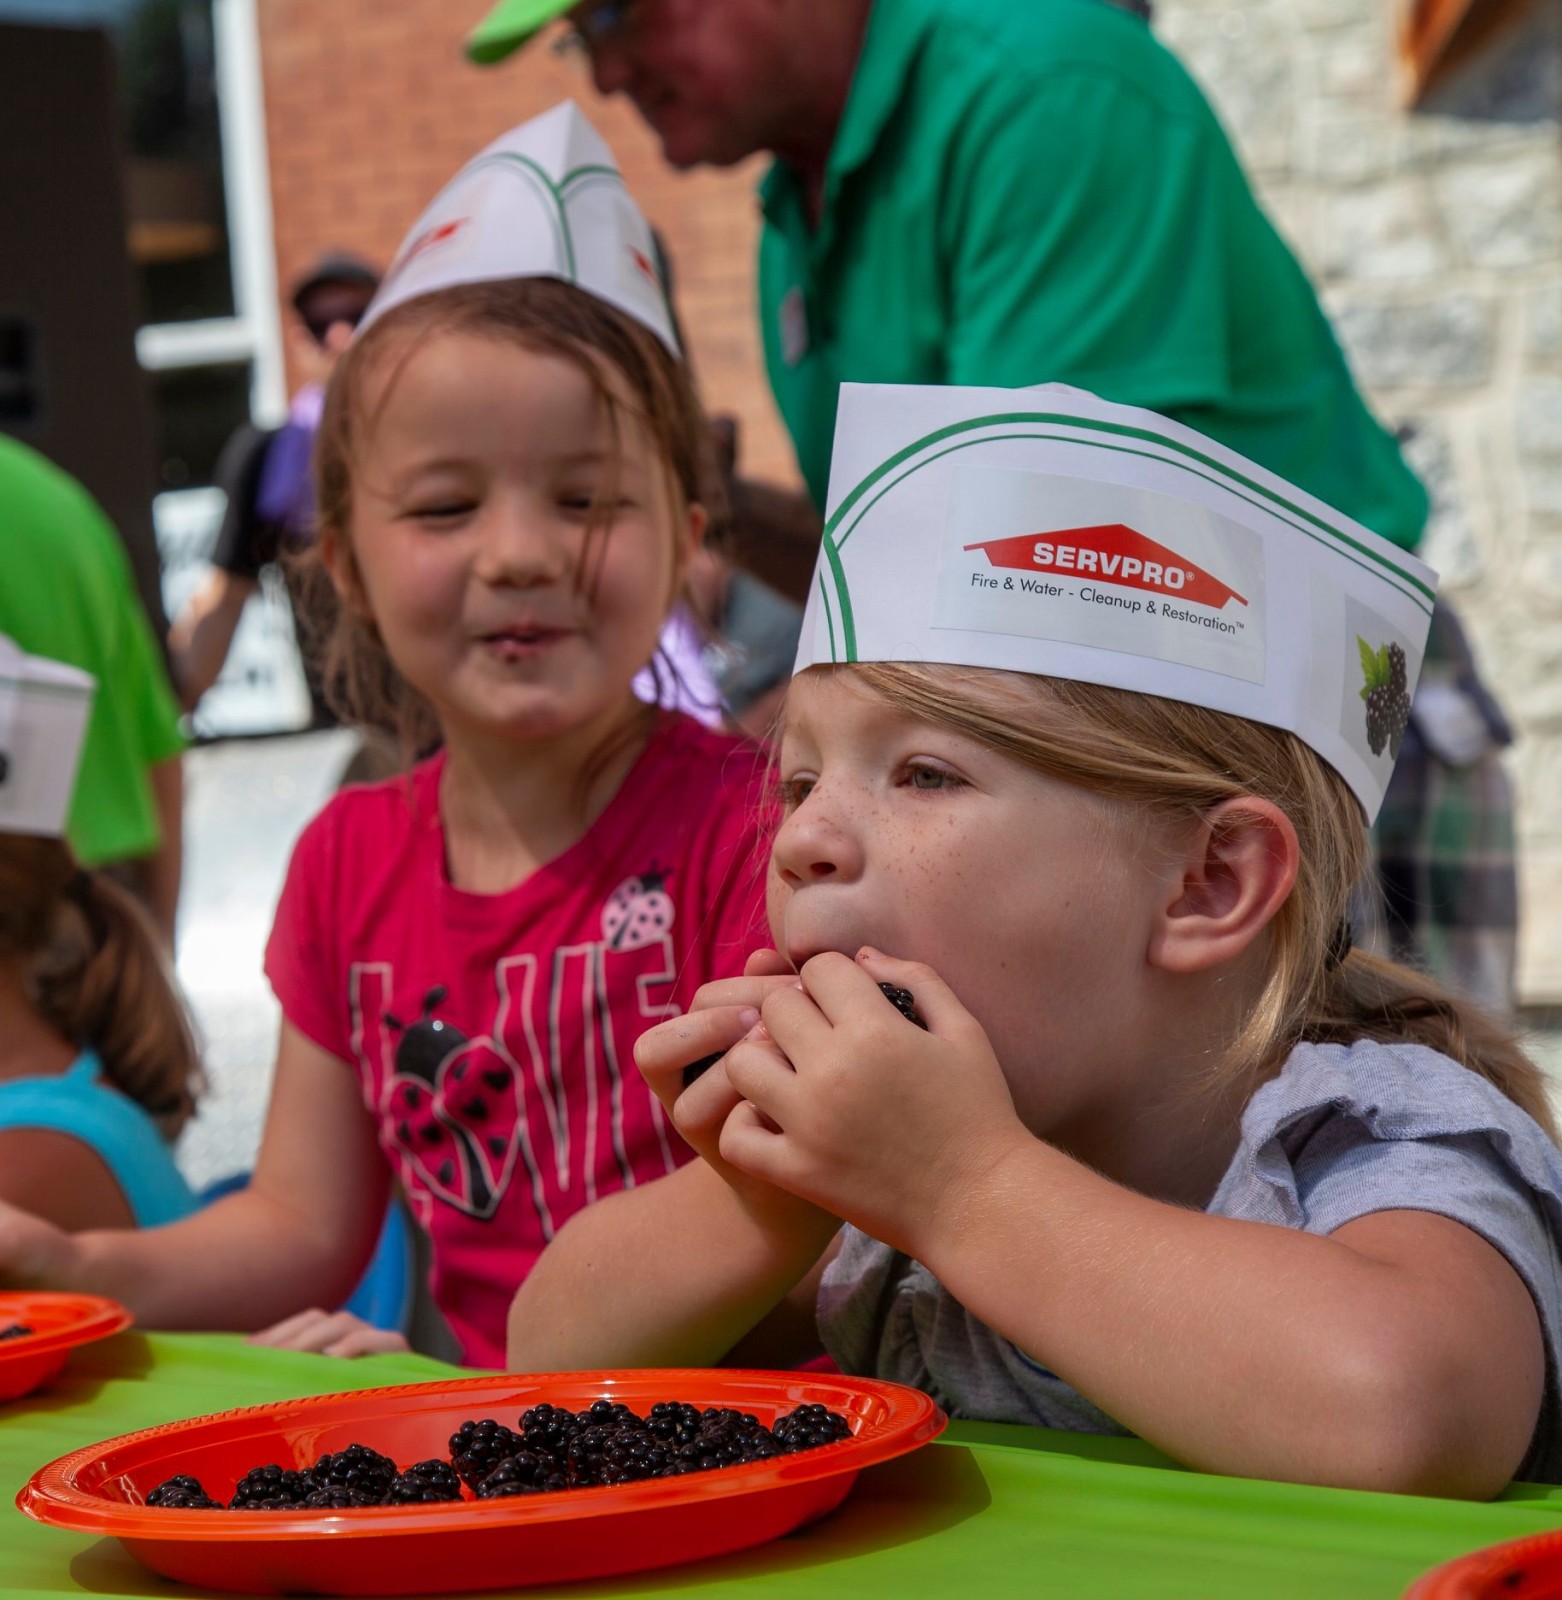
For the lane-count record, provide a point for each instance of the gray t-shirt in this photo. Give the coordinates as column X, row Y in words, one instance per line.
column 1343, row 1131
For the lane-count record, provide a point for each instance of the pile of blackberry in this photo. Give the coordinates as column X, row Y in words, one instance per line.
column 553, row 1449
column 17, row 1330
column 1388, row 707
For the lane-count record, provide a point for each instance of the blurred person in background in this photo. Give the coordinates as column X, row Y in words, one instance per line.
column 978, row 192
column 67, row 593
column 266, row 476
column 98, row 1064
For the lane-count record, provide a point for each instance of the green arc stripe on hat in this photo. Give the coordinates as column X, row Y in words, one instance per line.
column 1225, row 478
column 508, row 26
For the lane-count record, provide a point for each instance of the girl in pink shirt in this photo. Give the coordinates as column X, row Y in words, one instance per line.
column 510, row 495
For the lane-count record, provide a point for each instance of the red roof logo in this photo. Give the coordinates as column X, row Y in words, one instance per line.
column 428, row 239
column 1112, row 554
column 643, row 262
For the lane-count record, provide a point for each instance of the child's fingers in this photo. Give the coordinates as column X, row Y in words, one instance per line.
column 367, row 1340
column 935, row 1002
column 664, row 1052
column 767, row 964
column 760, row 1074
column 749, row 1142
column 302, row 1331
column 746, row 991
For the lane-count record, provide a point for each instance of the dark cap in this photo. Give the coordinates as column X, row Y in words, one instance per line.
column 334, row 267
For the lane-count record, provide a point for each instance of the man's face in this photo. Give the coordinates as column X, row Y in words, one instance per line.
column 707, row 77
column 324, row 325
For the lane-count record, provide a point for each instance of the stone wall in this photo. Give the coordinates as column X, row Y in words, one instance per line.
column 1435, row 237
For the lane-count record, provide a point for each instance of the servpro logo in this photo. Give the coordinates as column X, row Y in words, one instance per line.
column 431, row 238
column 1114, row 554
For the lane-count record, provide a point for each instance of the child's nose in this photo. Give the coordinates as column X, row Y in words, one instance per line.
column 517, row 547
column 812, row 846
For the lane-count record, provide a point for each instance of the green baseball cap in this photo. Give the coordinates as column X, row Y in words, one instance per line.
column 509, row 25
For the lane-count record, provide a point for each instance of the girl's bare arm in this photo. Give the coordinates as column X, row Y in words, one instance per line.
column 672, row 1273
column 299, row 1235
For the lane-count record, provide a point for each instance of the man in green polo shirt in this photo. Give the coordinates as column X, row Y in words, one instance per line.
column 1013, row 192
column 986, row 192
column 66, row 592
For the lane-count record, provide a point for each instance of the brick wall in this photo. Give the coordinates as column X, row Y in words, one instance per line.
column 367, row 117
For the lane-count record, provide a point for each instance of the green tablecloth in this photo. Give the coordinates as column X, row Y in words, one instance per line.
column 989, row 1511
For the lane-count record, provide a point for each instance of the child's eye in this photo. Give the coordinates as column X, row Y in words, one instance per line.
column 794, row 791
column 442, row 510
column 921, row 775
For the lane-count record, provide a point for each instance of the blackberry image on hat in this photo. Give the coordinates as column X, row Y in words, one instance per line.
column 1386, row 690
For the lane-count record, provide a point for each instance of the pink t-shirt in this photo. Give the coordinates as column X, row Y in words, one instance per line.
column 493, row 1035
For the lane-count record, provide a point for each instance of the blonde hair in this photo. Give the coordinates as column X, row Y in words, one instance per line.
column 96, row 970
column 541, row 315
column 1179, row 761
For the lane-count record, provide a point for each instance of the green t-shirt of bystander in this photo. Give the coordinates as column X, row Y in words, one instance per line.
column 67, row 592
column 1037, row 193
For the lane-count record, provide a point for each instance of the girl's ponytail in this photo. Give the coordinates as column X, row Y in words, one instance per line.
column 99, row 973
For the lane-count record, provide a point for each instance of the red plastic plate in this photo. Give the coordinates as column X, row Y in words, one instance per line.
column 491, row 1544
column 1523, row 1569
column 59, row 1322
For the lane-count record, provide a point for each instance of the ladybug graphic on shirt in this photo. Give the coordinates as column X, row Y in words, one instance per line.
column 638, row 912
column 455, row 1107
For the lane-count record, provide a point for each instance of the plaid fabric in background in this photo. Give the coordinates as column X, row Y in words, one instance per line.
column 1446, row 896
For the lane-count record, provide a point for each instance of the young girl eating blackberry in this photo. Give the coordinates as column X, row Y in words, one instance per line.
column 1079, row 757
column 510, row 475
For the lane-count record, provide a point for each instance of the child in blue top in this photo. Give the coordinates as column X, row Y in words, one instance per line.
column 1090, row 718
column 98, row 1064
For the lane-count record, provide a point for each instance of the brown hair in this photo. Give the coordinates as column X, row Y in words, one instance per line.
column 537, row 314
column 97, row 971
column 1179, row 761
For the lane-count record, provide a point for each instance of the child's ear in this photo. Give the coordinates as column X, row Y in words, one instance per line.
column 697, row 521
column 1238, row 866
column 337, row 556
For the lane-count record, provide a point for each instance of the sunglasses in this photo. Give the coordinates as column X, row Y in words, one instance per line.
column 593, row 26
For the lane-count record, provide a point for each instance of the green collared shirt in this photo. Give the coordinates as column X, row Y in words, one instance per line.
column 67, row 593
column 1037, row 192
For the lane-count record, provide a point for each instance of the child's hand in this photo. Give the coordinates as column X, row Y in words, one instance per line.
column 35, row 1254
column 849, row 1105
column 723, row 1012
column 331, row 1333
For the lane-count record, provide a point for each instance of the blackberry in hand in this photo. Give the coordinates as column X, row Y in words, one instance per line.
column 904, row 1002
column 271, row 1488
column 697, row 1069
column 183, row 1493
column 357, row 1469
column 810, row 1426
column 476, row 1448
column 422, row 1483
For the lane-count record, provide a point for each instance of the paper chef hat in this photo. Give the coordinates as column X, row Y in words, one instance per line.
column 544, row 200
column 43, row 720
column 1045, row 531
